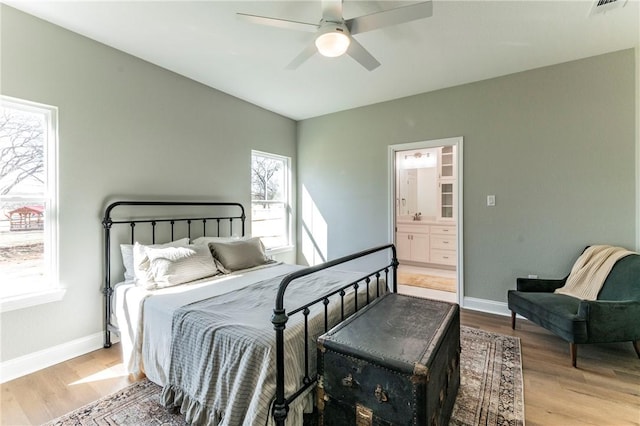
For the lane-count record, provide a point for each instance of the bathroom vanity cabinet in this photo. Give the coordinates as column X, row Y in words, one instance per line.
column 426, row 242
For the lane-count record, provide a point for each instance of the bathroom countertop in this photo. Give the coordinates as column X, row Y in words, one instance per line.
column 425, row 222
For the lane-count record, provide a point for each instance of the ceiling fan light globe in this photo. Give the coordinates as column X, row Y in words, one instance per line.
column 332, row 44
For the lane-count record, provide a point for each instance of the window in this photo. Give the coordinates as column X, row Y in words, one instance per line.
column 28, row 222
column 271, row 199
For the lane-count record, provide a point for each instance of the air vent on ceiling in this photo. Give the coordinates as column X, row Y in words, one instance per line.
column 603, row 6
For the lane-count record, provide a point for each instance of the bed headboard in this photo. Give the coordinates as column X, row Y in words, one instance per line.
column 126, row 222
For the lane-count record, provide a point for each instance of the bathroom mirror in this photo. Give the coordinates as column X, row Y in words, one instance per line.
column 417, row 183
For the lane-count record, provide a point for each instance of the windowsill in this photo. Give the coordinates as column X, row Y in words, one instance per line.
column 279, row 250
column 22, row 301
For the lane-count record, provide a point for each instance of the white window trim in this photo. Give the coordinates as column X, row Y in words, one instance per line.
column 279, row 250
column 50, row 291
column 287, row 201
column 22, row 301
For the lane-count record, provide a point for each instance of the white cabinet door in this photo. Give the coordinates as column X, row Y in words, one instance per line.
column 446, row 200
column 447, row 183
column 447, row 162
column 403, row 245
column 413, row 247
column 420, row 247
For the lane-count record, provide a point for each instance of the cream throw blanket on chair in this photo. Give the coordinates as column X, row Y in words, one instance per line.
column 591, row 270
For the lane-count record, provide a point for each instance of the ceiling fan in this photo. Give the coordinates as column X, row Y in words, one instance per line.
column 334, row 34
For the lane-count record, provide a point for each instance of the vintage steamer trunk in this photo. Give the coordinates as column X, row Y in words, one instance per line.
column 396, row 362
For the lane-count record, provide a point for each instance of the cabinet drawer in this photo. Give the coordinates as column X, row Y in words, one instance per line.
column 414, row 229
column 443, row 230
column 444, row 242
column 443, row 257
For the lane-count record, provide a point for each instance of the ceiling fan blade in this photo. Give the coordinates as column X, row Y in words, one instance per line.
column 387, row 18
column 332, row 10
column 308, row 52
column 360, row 54
column 279, row 23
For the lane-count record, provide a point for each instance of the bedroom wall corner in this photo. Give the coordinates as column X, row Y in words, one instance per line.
column 637, row 52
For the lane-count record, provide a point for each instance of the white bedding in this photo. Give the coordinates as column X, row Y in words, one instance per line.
column 144, row 316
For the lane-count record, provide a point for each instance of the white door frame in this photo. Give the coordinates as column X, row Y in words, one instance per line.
column 457, row 142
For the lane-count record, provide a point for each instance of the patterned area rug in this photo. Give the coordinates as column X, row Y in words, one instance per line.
column 427, row 281
column 490, row 392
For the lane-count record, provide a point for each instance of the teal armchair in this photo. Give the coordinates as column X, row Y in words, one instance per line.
column 613, row 317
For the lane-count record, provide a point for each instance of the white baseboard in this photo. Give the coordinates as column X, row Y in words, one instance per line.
column 485, row 305
column 21, row 366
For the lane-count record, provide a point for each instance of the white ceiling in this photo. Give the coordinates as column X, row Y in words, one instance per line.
column 464, row 41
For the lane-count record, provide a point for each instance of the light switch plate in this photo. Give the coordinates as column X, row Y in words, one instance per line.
column 491, row 200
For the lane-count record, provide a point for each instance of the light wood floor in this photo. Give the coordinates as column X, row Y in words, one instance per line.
column 603, row 390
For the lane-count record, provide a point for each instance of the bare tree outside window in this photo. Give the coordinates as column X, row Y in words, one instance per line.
column 26, row 194
column 265, row 182
column 269, row 199
column 21, row 150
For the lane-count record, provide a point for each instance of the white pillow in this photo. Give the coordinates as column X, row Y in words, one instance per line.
column 177, row 265
column 141, row 261
column 127, row 262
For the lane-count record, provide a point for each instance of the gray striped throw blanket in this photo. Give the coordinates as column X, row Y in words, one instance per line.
column 222, row 369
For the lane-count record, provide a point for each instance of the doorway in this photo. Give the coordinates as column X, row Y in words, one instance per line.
column 425, row 211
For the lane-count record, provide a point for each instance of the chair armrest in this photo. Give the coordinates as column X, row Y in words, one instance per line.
column 611, row 320
column 601, row 310
column 539, row 285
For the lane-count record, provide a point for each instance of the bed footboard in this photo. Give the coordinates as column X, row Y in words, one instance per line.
column 281, row 316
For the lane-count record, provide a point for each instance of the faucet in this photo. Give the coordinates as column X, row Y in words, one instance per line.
column 417, row 216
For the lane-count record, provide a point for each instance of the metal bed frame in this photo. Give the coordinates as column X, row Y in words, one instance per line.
column 280, row 315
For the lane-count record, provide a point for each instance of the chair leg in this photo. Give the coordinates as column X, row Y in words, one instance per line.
column 636, row 346
column 573, row 351
column 513, row 322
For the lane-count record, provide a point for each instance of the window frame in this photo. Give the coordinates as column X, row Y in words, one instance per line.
column 287, row 199
column 49, row 289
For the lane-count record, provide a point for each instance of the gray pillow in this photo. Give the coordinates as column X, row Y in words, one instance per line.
column 177, row 265
column 241, row 254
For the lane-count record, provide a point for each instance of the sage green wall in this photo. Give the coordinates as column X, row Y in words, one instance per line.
column 556, row 145
column 127, row 129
